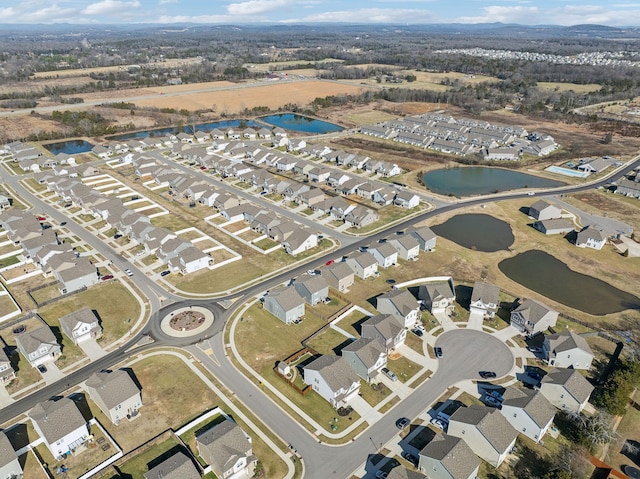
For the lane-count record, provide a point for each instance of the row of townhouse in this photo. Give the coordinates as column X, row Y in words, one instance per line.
column 462, row 137
column 42, row 247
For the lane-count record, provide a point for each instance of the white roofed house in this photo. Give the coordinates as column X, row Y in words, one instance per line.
column 387, row 329
column 407, row 247
column 339, row 276
column 116, row 393
column 448, row 457
column 485, row 299
column 566, row 389
column 313, row 288
column 486, row 432
column 81, row 325
column 286, row 304
column 61, row 425
column 385, row 254
column 38, row 345
column 438, row 297
column 531, row 317
column 567, row 350
column 528, row 411
column 426, row 237
column 400, row 303
column 364, row 265
column 591, row 237
column 366, row 357
column 228, row 450
column 333, row 379
column 10, row 467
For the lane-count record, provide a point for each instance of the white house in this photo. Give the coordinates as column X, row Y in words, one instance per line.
column 528, row 411
column 407, row 247
column 400, row 303
column 61, row 425
column 385, row 254
column 364, row 265
column 38, row 345
column 437, row 297
column 116, row 394
column 566, row 389
column 81, row 325
column 286, row 304
column 426, row 237
column 541, row 210
column 485, row 299
column 366, row 357
column 531, row 317
column 332, row 378
column 448, row 457
column 567, row 350
column 591, row 237
column 228, row 450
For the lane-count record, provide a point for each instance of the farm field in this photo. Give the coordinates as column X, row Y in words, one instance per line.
column 576, row 87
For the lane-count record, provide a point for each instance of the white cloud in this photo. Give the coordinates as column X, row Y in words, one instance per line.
column 106, row 7
column 498, row 13
column 370, row 15
column 166, row 2
column 256, row 7
column 195, row 19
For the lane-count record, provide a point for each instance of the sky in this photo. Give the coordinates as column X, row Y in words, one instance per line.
column 526, row 12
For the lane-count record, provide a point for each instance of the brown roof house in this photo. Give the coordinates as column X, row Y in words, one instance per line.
column 438, row 297
column 366, row 357
column 227, row 449
column 531, row 317
column 485, row 299
column 485, row 431
column 61, row 425
column 363, row 265
column 448, row 457
column 81, row 325
column 333, row 379
column 339, row 276
column 567, row 350
column 313, row 288
column 387, row 329
column 528, row 411
column 178, row 466
column 286, row 304
column 116, row 393
column 9, row 464
column 402, row 304
column 566, row 389
column 38, row 345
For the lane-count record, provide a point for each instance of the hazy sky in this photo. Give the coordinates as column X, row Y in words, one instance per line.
column 530, row 12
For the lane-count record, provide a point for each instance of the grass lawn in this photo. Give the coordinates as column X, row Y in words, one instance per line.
column 575, row 87
column 387, row 216
column 329, row 341
column 373, row 393
column 6, row 305
column 9, row 261
column 31, row 467
column 266, row 243
column 326, row 310
column 136, row 466
column 351, row 322
column 25, row 376
column 46, row 294
column 112, row 301
column 414, row 342
column 404, row 368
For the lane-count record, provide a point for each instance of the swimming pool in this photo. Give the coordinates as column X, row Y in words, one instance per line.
column 566, row 171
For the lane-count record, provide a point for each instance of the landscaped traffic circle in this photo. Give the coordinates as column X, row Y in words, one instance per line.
column 466, row 352
column 188, row 321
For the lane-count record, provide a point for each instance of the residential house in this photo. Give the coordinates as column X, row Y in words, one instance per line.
column 82, row 275
column 385, row 254
column 360, row 216
column 333, row 379
column 407, row 247
column 628, row 187
column 541, row 210
column 61, row 425
column 313, row 288
column 556, row 226
column 425, row 237
column 285, row 304
column 366, row 357
column 486, row 432
column 590, row 237
column 594, row 166
column 448, row 457
column 387, row 329
column 10, row 467
column 228, row 450
column 364, row 265
column 566, row 389
column 81, row 325
column 531, row 317
column 7, row 372
column 38, row 345
column 528, row 411
column 400, row 472
column 437, row 297
column 339, row 276
column 116, row 394
column 384, row 196
column 567, row 350
column 485, row 299
column 402, row 304
column 177, row 466
column 299, row 240
column 406, row 199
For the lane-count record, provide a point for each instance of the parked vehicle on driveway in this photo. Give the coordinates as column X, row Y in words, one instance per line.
column 491, row 401
column 390, row 374
column 106, row 277
column 165, row 272
column 410, row 458
column 42, row 368
column 439, row 423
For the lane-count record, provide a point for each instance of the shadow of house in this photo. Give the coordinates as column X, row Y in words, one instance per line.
column 524, row 210
column 59, row 338
column 168, row 454
column 631, row 450
column 463, row 295
column 133, row 377
column 18, row 436
column 571, row 236
column 82, row 404
column 338, row 349
column 97, row 315
column 358, row 324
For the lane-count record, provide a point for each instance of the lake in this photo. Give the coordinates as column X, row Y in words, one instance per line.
column 206, row 127
column 70, row 147
column 477, row 231
column 544, row 274
column 293, row 122
column 481, row 180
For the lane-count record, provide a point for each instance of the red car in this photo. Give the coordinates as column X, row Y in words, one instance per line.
column 42, row 218
column 106, row 277
column 329, row 263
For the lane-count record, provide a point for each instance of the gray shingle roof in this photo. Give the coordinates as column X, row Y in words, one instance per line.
column 365, row 259
column 58, row 418
column 335, row 371
column 403, row 473
column 113, row 387
column 225, row 442
column 313, row 283
column 437, row 291
column 7, row 453
column 178, row 466
column 532, row 310
column 32, row 340
column 533, row 403
column 487, row 293
column 493, row 425
column 566, row 340
column 368, row 350
column 574, row 382
column 386, row 324
column 403, row 300
column 287, row 297
column 454, row 454
column 590, row 232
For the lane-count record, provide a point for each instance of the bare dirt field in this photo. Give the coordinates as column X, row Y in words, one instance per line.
column 14, row 128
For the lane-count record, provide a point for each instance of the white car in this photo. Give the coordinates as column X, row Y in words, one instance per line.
column 491, row 401
column 439, row 423
column 129, row 272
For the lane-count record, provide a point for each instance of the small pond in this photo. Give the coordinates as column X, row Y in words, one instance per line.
column 476, row 231
column 481, row 180
column 185, row 129
column 293, row 122
column 70, row 147
column 544, row 274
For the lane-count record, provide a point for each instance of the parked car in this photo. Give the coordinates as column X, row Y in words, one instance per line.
column 417, row 332
column 329, row 263
column 439, row 423
column 63, row 223
column 362, row 249
column 42, row 218
column 390, row 374
column 439, row 353
column 382, row 240
column 117, row 235
column 399, row 233
column 262, row 193
column 133, row 198
column 410, row 458
column 495, row 394
column 106, row 277
column 42, row 368
column 129, row 272
column 487, row 374
column 403, row 422
column 531, row 193
column 381, row 475
column 165, row 272
column 534, row 375
column 491, row 401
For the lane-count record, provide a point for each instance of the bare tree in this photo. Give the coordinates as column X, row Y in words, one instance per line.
column 573, row 459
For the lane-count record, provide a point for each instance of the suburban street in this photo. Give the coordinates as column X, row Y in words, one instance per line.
column 320, row 460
